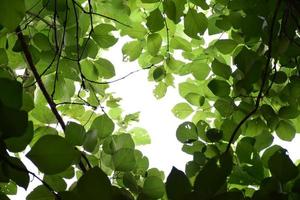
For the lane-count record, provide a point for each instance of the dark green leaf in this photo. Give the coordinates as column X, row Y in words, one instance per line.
column 12, row 13
column 219, row 88
column 40, row 192
column 195, row 23
column 51, row 160
column 221, row 69
column 11, row 94
column 186, row 132
column 214, row 135
column 124, row 159
column 226, row 46
column 177, row 185
column 94, row 184
column 155, row 21
column 282, row 167
column 75, row 133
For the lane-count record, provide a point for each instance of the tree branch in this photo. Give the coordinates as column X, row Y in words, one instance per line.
column 264, row 80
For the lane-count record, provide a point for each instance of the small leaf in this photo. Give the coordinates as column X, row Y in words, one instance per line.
column 282, row 167
column 285, row 130
column 187, row 132
column 132, row 50
column 124, row 159
column 102, row 35
column 140, row 136
column 90, row 141
column 75, row 133
column 195, row 23
column 288, row 112
column 214, row 135
column 11, row 93
column 154, row 42
column 159, row 73
column 219, row 88
column 182, row 110
column 155, row 21
column 226, row 46
column 103, row 125
column 94, row 184
column 105, row 68
column 52, row 154
column 221, row 69
column 177, row 185
column 153, row 187
column 40, row 192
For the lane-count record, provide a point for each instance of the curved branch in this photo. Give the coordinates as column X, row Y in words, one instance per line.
column 264, row 80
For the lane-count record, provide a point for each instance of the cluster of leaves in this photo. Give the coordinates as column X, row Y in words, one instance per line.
column 240, row 90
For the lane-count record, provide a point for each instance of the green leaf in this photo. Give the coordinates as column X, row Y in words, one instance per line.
column 117, row 142
column 150, row 1
column 3, row 57
column 214, row 135
column 225, row 106
column 13, row 122
column 153, row 187
column 195, row 24
column 180, row 43
column 18, row 144
column 209, row 180
column 75, row 133
column 226, row 46
column 155, row 21
column 40, row 193
column 219, row 88
column 195, row 99
column 12, row 171
column 285, row 130
column 282, row 167
column 174, row 9
column 11, row 93
column 177, row 185
column 255, row 127
column 159, row 73
column 102, row 35
column 105, row 68
column 182, row 110
column 43, row 114
column 140, row 136
column 187, row 132
column 12, row 13
column 132, row 50
column 200, row 70
column 51, row 160
column 103, row 125
column 124, row 159
column 160, row 90
column 94, row 184
column 154, row 42
column 90, row 141
column 200, row 3
column 221, row 69
column 288, row 112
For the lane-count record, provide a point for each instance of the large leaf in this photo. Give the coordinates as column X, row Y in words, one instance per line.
column 186, row 132
column 52, row 154
column 94, row 184
column 102, row 35
column 11, row 93
column 154, row 42
column 12, row 13
column 103, row 125
column 219, row 88
column 195, row 24
column 155, row 21
column 153, row 187
column 177, row 185
column 282, row 167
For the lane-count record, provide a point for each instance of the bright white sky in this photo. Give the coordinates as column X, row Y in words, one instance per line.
column 156, row 117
